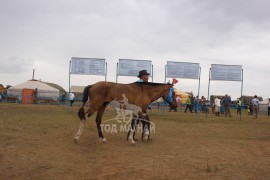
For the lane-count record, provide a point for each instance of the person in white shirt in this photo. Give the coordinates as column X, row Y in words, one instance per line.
column 71, row 98
column 178, row 100
column 255, row 103
column 217, row 106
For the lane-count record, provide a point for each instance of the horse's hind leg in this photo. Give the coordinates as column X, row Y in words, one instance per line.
column 78, row 134
column 98, row 122
column 83, row 121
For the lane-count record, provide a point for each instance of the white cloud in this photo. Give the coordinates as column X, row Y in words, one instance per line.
column 45, row 34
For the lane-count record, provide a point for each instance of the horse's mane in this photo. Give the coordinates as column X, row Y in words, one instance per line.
column 151, row 84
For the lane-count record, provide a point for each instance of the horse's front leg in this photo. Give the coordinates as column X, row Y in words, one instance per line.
column 98, row 122
column 146, row 128
column 132, row 130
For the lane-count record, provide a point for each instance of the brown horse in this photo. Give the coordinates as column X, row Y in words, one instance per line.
column 102, row 93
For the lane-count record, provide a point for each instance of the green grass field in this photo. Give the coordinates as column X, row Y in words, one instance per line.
column 37, row 143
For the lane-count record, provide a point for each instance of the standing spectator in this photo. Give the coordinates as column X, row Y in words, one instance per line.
column 269, row 107
column 255, row 104
column 188, row 104
column 227, row 102
column 213, row 107
column 250, row 108
column 239, row 106
column 192, row 99
column 1, row 99
column 196, row 104
column 63, row 98
column 71, row 98
column 178, row 100
column 217, row 106
column 202, row 102
column 35, row 96
column 222, row 108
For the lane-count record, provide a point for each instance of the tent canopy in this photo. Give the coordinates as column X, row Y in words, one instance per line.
column 183, row 95
column 264, row 102
column 77, row 89
column 56, row 86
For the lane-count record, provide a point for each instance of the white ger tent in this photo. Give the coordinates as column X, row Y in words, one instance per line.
column 44, row 91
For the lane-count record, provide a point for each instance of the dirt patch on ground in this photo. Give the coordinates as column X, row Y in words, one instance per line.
column 37, row 143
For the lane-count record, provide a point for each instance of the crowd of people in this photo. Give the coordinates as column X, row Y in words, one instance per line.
column 193, row 104
column 220, row 105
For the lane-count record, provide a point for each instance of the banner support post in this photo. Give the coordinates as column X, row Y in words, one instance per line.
column 197, row 103
column 152, row 73
column 208, row 92
column 106, row 71
column 69, row 86
column 242, row 96
column 165, row 72
column 116, row 72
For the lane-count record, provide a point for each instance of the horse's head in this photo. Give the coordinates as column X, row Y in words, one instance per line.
column 170, row 97
column 157, row 90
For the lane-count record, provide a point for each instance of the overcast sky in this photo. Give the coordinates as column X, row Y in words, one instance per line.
column 45, row 34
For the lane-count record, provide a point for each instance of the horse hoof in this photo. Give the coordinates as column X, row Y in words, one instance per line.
column 145, row 138
column 131, row 141
column 103, row 140
column 76, row 139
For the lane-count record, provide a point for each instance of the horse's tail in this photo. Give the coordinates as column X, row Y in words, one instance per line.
column 86, row 94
